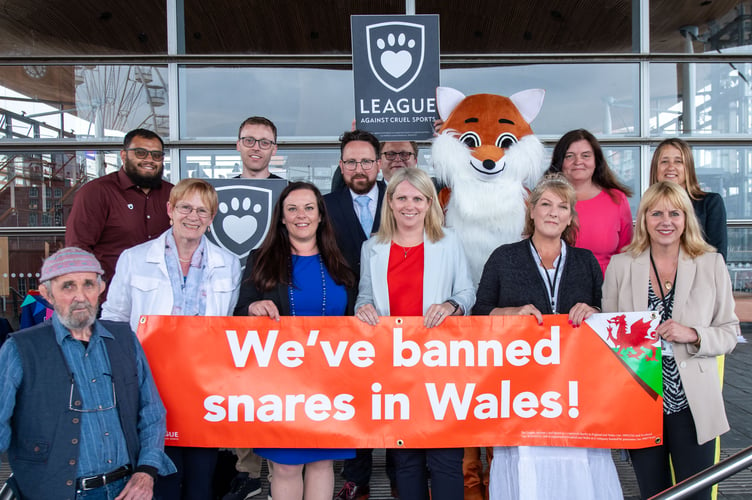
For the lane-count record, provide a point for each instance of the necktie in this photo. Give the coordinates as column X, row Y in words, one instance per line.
column 366, row 220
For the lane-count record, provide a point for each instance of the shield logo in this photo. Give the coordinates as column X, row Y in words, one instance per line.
column 243, row 218
column 395, row 52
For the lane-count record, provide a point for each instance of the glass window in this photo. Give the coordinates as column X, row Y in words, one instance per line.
column 599, row 97
column 82, row 102
column 701, row 26
column 721, row 103
column 38, row 28
column 302, row 102
column 59, row 173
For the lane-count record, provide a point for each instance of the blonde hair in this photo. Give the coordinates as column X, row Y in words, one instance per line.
column 434, row 216
column 692, row 241
column 205, row 191
column 560, row 186
column 690, row 174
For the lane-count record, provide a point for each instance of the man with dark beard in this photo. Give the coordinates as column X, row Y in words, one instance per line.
column 124, row 208
column 79, row 410
column 355, row 211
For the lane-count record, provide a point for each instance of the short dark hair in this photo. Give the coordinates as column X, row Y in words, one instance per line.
column 258, row 120
column 141, row 132
column 359, row 135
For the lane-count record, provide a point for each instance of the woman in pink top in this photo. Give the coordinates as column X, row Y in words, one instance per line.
column 605, row 216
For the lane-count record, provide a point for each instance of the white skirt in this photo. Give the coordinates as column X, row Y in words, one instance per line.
column 553, row 473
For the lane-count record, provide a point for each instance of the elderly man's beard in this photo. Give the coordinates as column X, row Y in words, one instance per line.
column 143, row 181
column 74, row 319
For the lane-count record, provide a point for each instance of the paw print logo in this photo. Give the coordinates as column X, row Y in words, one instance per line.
column 395, row 63
column 242, row 219
column 239, row 228
column 396, row 52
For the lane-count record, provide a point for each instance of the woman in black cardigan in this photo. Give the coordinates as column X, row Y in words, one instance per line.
column 544, row 274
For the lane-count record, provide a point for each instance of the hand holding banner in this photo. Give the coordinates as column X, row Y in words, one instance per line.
column 474, row 381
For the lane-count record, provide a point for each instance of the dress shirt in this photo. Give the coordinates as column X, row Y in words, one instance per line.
column 102, row 443
column 373, row 195
column 111, row 214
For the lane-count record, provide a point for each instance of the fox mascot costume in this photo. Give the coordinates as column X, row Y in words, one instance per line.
column 487, row 157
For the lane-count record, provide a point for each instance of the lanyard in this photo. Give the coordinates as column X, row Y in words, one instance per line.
column 551, row 286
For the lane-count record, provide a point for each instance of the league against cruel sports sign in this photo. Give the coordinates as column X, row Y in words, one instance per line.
column 473, row 381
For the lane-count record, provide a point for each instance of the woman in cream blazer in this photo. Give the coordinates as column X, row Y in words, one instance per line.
column 688, row 282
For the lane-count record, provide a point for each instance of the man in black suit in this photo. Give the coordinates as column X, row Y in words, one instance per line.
column 355, row 210
column 360, row 164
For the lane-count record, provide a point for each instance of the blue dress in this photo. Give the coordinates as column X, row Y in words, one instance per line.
column 314, row 294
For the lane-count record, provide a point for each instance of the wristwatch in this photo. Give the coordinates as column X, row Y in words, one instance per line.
column 454, row 304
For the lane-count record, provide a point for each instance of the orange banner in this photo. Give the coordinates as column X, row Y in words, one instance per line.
column 474, row 381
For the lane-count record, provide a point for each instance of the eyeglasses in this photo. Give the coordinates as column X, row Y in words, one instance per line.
column 142, row 153
column 353, row 164
column 403, row 155
column 249, row 142
column 78, row 403
column 187, row 209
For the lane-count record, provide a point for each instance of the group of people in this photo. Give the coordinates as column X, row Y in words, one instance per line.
column 370, row 248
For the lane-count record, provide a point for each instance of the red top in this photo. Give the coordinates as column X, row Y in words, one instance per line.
column 404, row 278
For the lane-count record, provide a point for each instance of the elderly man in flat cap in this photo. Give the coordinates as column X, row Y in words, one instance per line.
column 80, row 416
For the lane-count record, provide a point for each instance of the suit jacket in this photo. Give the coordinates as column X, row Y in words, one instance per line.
column 347, row 229
column 704, row 301
column 511, row 279
column 446, row 274
column 279, row 295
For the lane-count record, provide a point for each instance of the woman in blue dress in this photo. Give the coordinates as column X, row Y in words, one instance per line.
column 299, row 271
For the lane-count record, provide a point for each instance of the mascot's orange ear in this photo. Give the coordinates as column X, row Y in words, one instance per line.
column 528, row 102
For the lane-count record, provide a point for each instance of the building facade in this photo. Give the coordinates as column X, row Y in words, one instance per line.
column 75, row 76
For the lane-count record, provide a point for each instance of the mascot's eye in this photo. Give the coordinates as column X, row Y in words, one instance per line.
column 471, row 139
column 506, row 141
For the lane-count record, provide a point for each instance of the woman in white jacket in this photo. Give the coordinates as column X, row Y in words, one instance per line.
column 414, row 267
column 181, row 273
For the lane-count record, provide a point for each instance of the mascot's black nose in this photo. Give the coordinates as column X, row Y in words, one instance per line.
column 489, row 164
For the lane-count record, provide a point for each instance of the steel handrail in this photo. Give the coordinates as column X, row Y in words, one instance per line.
column 710, row 476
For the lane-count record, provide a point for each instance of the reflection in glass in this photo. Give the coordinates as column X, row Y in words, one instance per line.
column 37, row 189
column 83, row 102
column 601, row 98
column 302, row 102
column 696, row 27
column 722, row 100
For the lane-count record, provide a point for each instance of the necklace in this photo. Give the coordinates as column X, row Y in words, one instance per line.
column 185, row 261
column 291, row 294
column 551, row 284
column 668, row 284
column 405, row 250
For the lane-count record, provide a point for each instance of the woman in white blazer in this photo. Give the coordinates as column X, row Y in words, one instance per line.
column 180, row 273
column 413, row 267
column 670, row 269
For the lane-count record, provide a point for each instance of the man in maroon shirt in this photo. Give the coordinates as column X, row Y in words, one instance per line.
column 124, row 208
